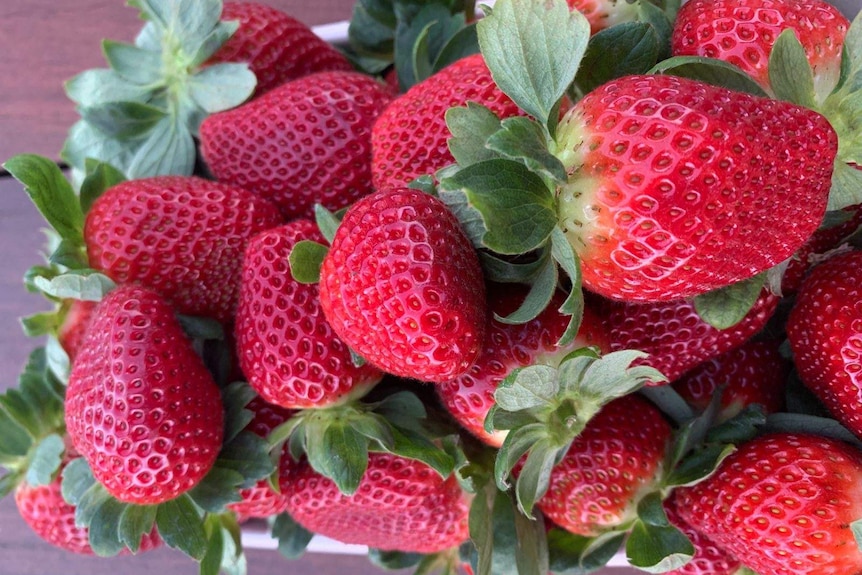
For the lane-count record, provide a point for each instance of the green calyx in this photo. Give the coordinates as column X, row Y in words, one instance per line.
column 544, row 409
column 141, row 114
column 337, row 439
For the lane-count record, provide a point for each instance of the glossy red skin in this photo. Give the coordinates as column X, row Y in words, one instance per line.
column 181, row 236
column 824, row 329
column 277, row 47
column 400, row 505
column 49, row 516
column 286, row 348
column 675, row 337
column 141, row 407
column 709, row 558
column 673, row 181
column 306, row 142
column 410, row 138
column 507, row 347
column 783, row 505
column 402, row 286
column 754, row 373
column 71, row 332
column 615, row 460
column 262, row 500
column 742, row 32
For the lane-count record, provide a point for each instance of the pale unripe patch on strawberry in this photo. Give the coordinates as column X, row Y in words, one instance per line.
column 603, row 14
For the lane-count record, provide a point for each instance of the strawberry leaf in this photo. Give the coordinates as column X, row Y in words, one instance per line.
column 669, row 402
column 211, row 562
column 740, row 428
column 471, row 126
column 181, row 526
column 168, row 149
column 846, row 187
column 429, row 30
column 41, row 323
column 811, row 424
column 535, row 475
column 492, row 531
column 698, row 465
column 104, row 528
column 235, row 398
column 465, row 42
column 725, row 307
column 565, row 255
column 533, row 49
column 99, row 177
column 711, row 71
column 102, row 85
column 85, row 141
column 77, row 480
column 517, row 208
column 222, row 86
column 136, row 521
column 327, row 222
column 856, row 528
column 627, row 48
column 123, row 120
column 790, row 74
column 577, row 555
column 45, row 460
column 292, row 537
column 542, row 289
column 500, row 270
column 531, row 555
column 52, row 194
column 133, row 64
column 523, row 140
column 305, row 260
column 392, row 560
column 82, row 286
column 654, row 545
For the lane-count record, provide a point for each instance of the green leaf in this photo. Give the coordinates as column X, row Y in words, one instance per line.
column 248, row 455
column 810, row 424
column 90, row 287
column 217, row 489
column 235, row 398
column 532, row 551
column 292, row 537
column 102, row 85
column 136, row 522
column 421, row 59
column 524, row 140
column 53, row 196
column 542, row 290
column 104, row 528
column 627, row 48
column 336, row 451
column 657, row 549
column 16, row 441
column 660, row 16
column 181, row 526
column 533, row 49
column 59, row 364
column 790, row 74
column 516, row 206
column 493, row 532
column 565, row 255
column 846, row 187
column 578, row 555
column 465, row 42
column 856, row 528
column 535, row 475
column 327, row 222
column 500, row 270
column 613, row 375
column 698, row 465
column 222, row 86
column 211, row 562
column 392, row 560
column 69, row 255
column 100, row 176
column 725, row 307
column 168, row 149
column 471, row 126
column 77, row 480
column 403, row 410
column 370, row 33
column 437, row 25
column 133, row 64
column 86, row 141
column 530, row 387
column 669, row 402
column 742, row 427
column 40, row 323
column 305, row 260
column 414, row 445
column 470, row 218
column 123, row 120
column 711, row 71
column 45, row 460
column 214, row 41
column 89, row 503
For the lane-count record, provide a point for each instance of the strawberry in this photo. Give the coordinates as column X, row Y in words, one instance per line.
column 410, row 137
column 261, row 500
column 743, row 32
column 709, row 558
column 616, row 459
column 824, row 329
column 307, row 142
column 402, row 286
column 141, row 407
column 674, row 335
column 276, row 46
column 286, row 348
column 603, row 14
column 180, row 236
column 783, row 504
column 74, row 326
column 672, row 181
column 401, row 504
column 469, row 397
column 752, row 373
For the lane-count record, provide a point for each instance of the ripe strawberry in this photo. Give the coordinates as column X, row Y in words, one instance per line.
column 469, row 397
column 752, row 373
column 286, row 348
column 402, row 286
column 277, row 46
column 783, row 504
column 261, row 500
column 603, row 14
column 709, row 558
column 672, row 182
column 824, row 329
column 141, row 407
column 615, row 460
column 743, row 32
column 74, row 326
column 674, row 335
column 307, row 142
column 401, row 505
column 51, row 518
column 180, row 236
column 410, row 138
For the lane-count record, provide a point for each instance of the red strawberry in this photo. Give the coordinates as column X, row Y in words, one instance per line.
column 752, row 373
column 402, row 286
column 743, row 32
column 74, row 326
column 262, row 500
column 709, row 558
column 287, row 349
column 141, row 407
column 825, row 333
column 277, row 46
column 180, row 236
column 673, row 181
column 51, row 518
column 603, row 14
column 783, row 505
column 401, row 505
column 674, row 335
column 410, row 139
column 615, row 460
column 307, row 142
column 469, row 397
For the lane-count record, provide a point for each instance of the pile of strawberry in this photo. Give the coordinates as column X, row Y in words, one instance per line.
column 502, row 295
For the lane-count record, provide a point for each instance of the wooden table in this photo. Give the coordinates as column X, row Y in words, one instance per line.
column 44, row 42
